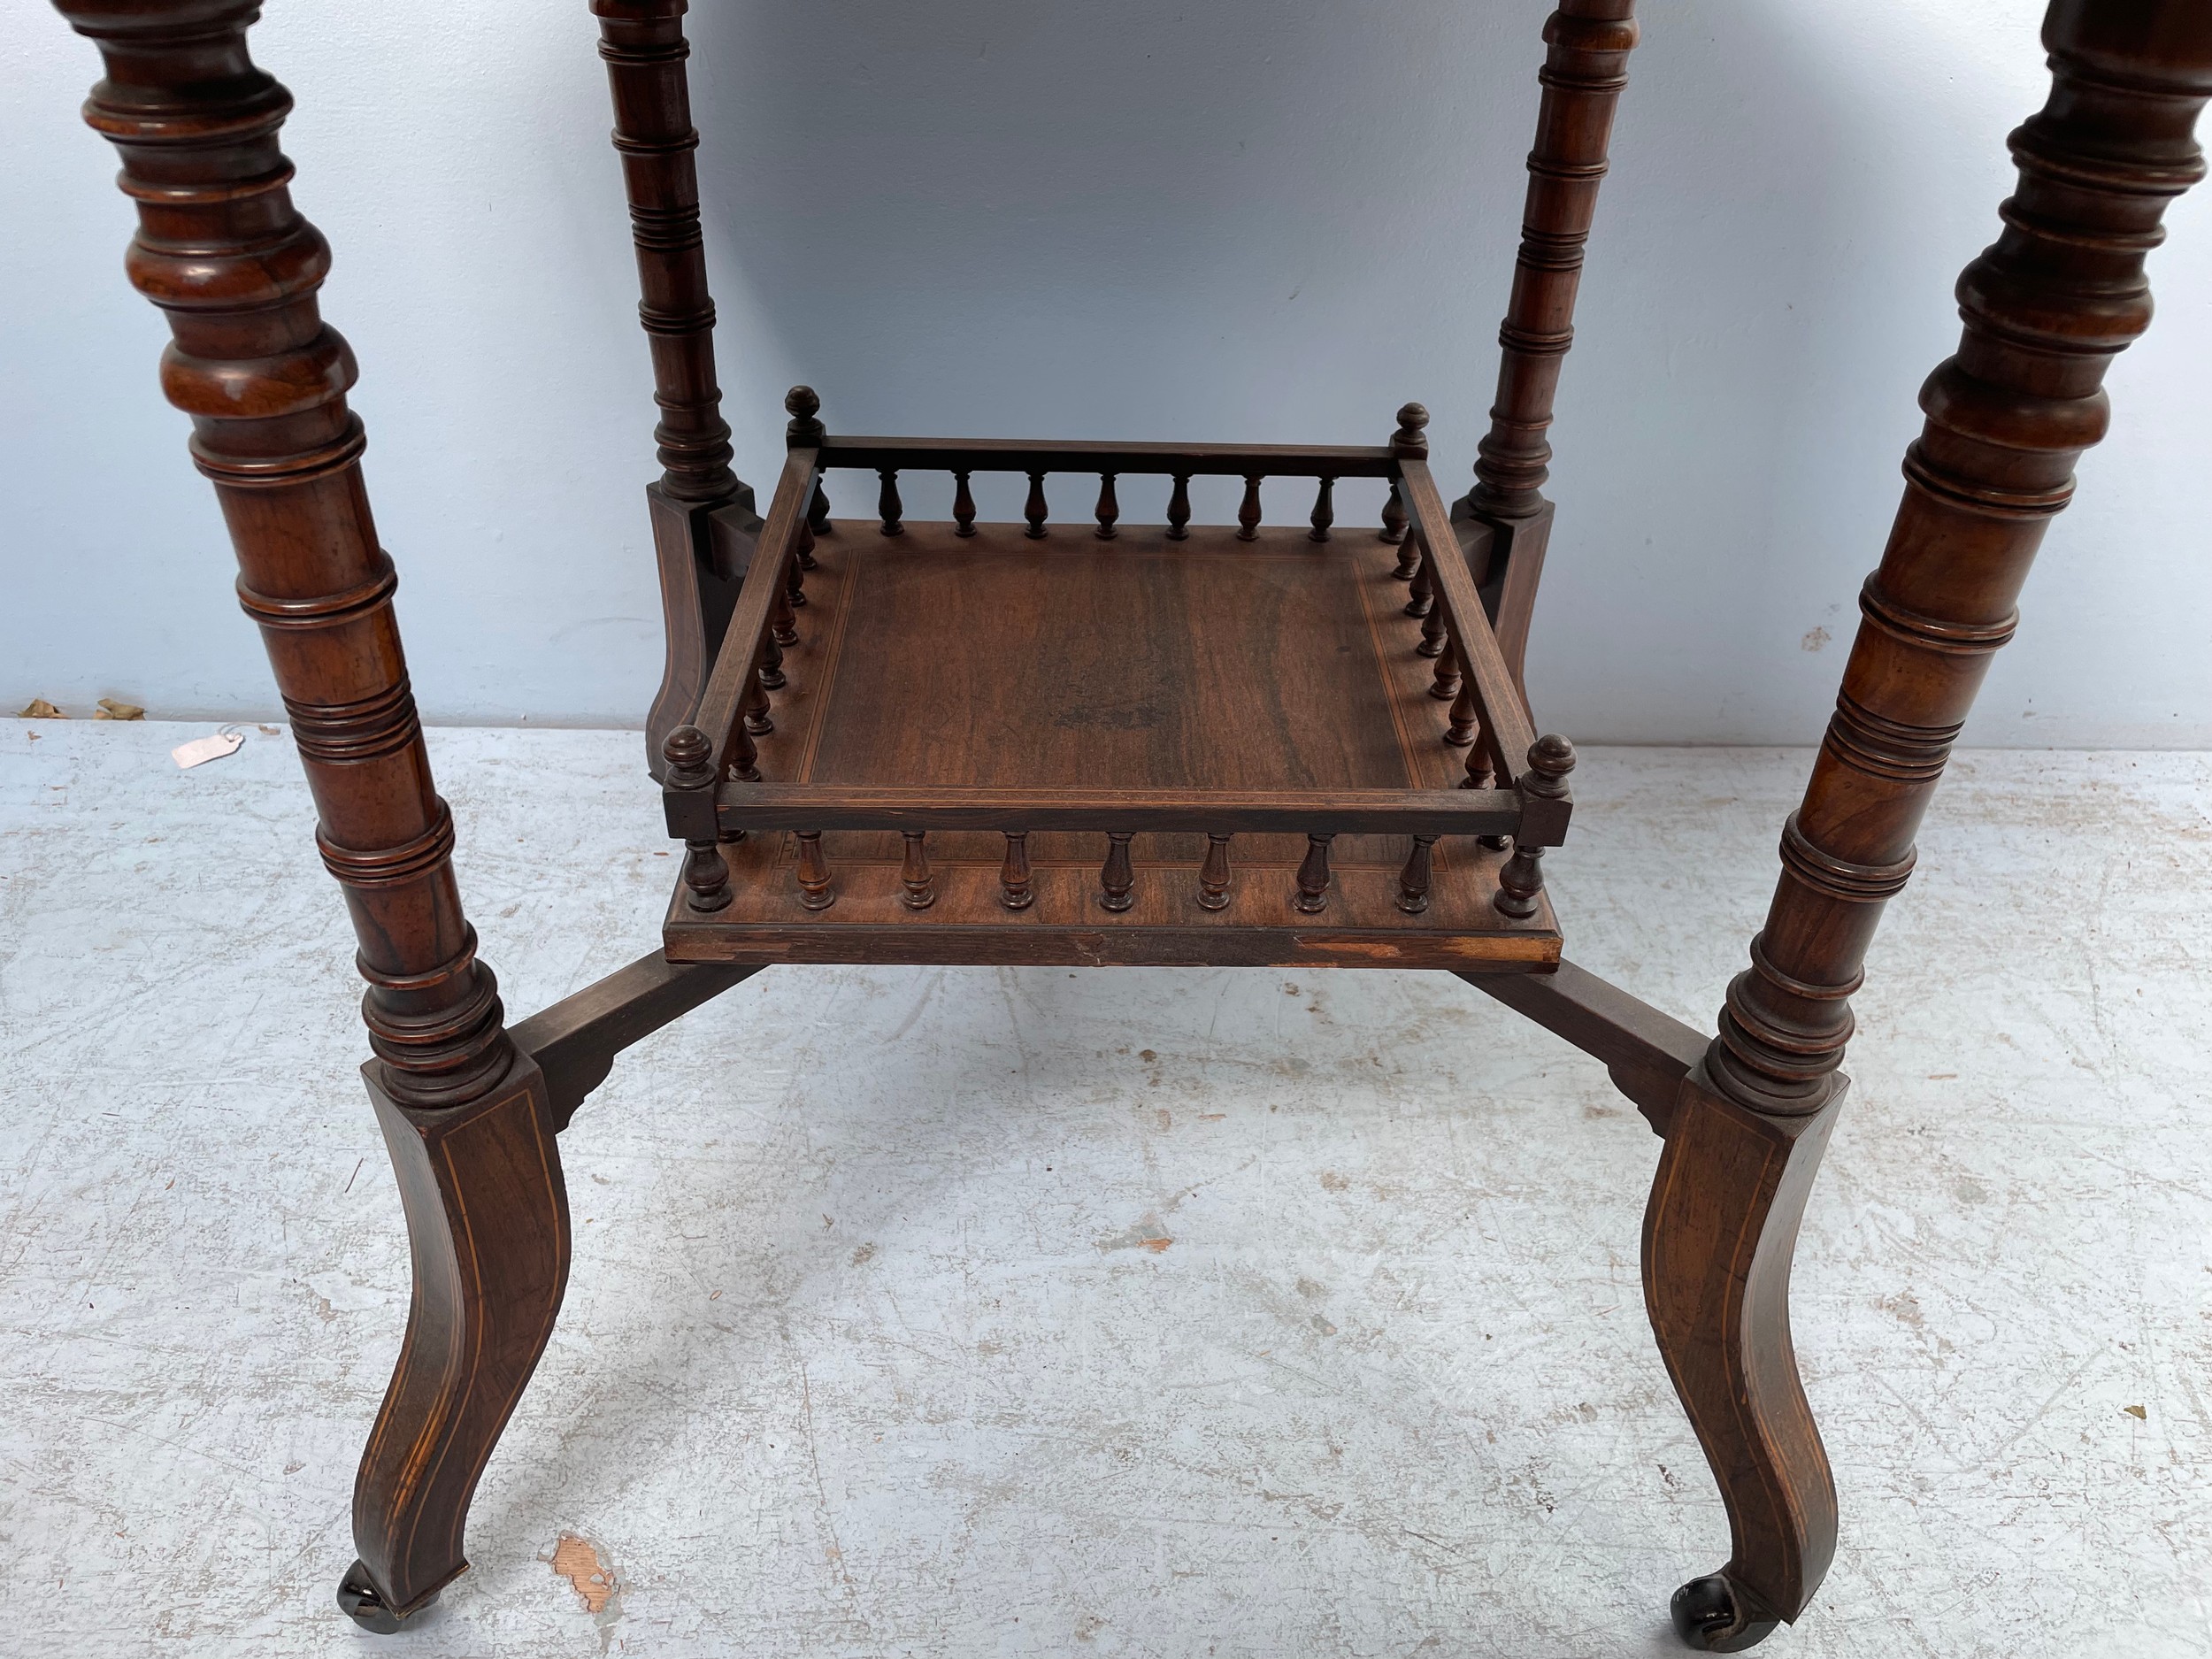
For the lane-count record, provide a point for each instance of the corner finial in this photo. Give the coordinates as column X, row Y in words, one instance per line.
column 805, row 431
column 1410, row 438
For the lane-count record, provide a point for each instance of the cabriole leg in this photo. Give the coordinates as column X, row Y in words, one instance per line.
column 2045, row 309
column 488, row 1226
column 1719, row 1236
column 222, row 251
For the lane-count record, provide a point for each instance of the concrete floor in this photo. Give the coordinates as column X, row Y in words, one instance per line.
column 1123, row 1312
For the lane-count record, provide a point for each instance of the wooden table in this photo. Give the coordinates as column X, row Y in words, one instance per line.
column 1071, row 740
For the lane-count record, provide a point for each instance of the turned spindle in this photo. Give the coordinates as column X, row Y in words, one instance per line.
column 816, row 891
column 772, row 677
column 783, row 619
column 690, row 767
column 757, row 721
column 1444, row 683
column 1313, row 876
column 817, row 512
column 1179, row 508
column 1394, row 521
column 1433, row 636
column 1413, row 880
column 1460, row 733
column 803, row 560
column 914, row 873
column 1410, row 441
column 888, row 507
column 963, row 506
column 1034, row 508
column 1014, row 889
column 1248, row 512
column 1324, row 511
column 1115, row 878
column 1550, row 761
column 743, row 763
column 1213, row 875
column 1108, row 508
column 1422, row 598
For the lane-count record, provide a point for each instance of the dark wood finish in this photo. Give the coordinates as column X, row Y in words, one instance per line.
column 1014, row 890
column 1646, row 1053
column 1185, row 686
column 1165, row 460
column 1186, row 689
column 1413, row 880
column 914, row 873
column 1213, row 875
column 1718, row 1237
column 642, row 44
column 787, row 806
column 1324, row 511
column 1522, row 880
column 1313, row 879
column 818, row 890
column 1249, row 510
column 1584, row 72
column 2045, row 309
column 575, row 1042
column 487, row 1227
column 223, row 252
column 1117, row 877
column 1394, row 531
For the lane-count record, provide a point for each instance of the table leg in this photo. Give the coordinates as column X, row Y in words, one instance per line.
column 222, row 251
column 2045, row 309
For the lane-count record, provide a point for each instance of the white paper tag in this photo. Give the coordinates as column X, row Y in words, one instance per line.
column 200, row 750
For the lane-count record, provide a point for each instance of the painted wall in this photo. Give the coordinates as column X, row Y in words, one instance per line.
column 1262, row 220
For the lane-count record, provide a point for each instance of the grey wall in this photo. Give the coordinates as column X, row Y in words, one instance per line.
column 1255, row 219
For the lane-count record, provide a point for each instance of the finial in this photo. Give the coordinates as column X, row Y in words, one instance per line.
column 804, row 430
column 689, row 757
column 1550, row 758
column 1410, row 438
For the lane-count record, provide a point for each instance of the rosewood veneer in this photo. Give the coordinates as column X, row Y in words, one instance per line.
column 1082, row 739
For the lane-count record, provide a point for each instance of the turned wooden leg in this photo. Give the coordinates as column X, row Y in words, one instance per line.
column 222, row 251
column 1584, row 72
column 2045, row 309
column 704, row 523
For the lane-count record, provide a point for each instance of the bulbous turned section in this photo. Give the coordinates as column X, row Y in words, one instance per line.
column 804, row 407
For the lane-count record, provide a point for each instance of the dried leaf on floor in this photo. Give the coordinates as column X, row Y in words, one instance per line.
column 111, row 709
column 39, row 709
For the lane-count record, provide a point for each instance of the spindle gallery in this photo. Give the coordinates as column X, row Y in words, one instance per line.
column 1080, row 738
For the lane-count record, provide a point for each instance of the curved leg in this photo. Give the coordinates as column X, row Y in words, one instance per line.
column 2045, row 310
column 221, row 250
column 1719, row 1236
column 487, row 1222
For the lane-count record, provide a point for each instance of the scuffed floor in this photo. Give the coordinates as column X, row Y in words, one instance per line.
column 1121, row 1312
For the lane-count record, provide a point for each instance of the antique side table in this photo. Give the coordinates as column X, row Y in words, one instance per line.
column 1171, row 744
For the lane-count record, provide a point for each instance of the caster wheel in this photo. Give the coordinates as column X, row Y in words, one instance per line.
column 1713, row 1615
column 359, row 1600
